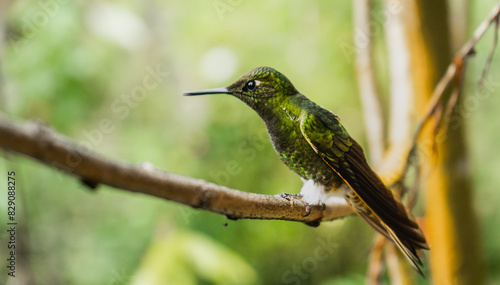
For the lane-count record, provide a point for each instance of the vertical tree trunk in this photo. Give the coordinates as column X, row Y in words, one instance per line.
column 451, row 223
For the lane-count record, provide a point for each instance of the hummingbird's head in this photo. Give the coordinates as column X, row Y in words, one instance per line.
column 260, row 87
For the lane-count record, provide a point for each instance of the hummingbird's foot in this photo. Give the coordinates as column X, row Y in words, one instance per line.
column 289, row 197
column 308, row 209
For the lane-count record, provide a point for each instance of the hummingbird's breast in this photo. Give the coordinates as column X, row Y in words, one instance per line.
column 294, row 150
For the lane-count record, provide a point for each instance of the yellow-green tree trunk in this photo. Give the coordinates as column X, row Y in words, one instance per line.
column 451, row 222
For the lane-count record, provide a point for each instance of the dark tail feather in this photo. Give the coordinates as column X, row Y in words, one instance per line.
column 411, row 248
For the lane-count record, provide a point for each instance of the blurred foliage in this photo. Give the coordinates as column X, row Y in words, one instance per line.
column 192, row 257
column 77, row 64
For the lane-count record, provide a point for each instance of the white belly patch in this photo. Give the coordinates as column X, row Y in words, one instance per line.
column 315, row 194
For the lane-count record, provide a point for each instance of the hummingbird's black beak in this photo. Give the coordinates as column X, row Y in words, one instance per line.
column 222, row 90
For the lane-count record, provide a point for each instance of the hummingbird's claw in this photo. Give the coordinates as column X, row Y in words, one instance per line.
column 308, row 209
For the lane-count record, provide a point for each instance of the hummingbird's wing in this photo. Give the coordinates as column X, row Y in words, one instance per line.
column 371, row 199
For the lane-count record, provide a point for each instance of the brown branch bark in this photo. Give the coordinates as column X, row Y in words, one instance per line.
column 45, row 145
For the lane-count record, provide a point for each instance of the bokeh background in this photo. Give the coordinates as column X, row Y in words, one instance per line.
column 77, row 64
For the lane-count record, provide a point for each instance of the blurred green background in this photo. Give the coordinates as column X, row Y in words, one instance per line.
column 77, row 64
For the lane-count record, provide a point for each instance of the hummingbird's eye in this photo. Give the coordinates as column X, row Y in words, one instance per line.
column 251, row 86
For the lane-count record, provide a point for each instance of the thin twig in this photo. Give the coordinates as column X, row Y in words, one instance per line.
column 490, row 55
column 397, row 270
column 42, row 143
column 452, row 101
column 375, row 265
column 413, row 191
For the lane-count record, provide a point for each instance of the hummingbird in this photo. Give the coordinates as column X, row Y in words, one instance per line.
column 313, row 143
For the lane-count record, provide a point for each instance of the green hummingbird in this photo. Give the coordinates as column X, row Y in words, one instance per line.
column 312, row 142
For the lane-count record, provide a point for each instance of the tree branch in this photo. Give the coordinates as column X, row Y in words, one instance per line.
column 402, row 109
column 42, row 143
column 370, row 99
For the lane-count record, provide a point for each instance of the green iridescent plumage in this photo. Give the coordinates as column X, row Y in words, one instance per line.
column 312, row 142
